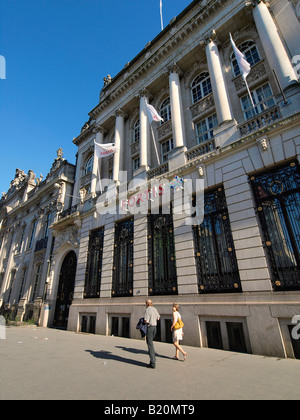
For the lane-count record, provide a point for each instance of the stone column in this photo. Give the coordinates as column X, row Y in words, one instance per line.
column 100, row 131
column 221, row 97
column 144, row 130
column 176, row 107
column 119, row 142
column 273, row 45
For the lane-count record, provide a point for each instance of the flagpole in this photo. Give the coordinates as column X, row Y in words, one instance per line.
column 155, row 146
column 244, row 67
column 99, row 174
column 250, row 96
column 161, row 16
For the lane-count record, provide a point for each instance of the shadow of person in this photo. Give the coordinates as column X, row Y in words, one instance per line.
column 107, row 355
column 138, row 351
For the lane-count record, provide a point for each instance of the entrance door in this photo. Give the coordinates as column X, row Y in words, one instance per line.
column 65, row 290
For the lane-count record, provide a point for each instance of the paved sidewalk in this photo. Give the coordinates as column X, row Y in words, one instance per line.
column 38, row 363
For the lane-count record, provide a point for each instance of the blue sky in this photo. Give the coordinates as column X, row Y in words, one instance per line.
column 57, row 53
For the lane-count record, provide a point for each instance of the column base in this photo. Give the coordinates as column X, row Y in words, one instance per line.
column 141, row 173
column 177, row 158
column 226, row 133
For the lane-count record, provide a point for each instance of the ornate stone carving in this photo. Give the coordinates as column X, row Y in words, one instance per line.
column 202, row 106
column 263, row 144
column 69, row 235
column 257, row 72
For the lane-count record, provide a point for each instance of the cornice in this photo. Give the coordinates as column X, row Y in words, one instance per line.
column 152, row 57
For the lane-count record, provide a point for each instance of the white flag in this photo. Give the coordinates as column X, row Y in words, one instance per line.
column 104, row 150
column 153, row 114
column 243, row 64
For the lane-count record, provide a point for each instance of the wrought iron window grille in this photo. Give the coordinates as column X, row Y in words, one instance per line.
column 277, row 197
column 94, row 264
column 215, row 255
column 162, row 258
column 122, row 284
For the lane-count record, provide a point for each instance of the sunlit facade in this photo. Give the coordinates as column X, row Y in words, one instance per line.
column 235, row 273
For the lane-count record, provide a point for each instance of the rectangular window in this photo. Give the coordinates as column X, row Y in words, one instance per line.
column 236, row 337
column 94, row 264
column 214, row 249
column 214, row 335
column 262, row 98
column 123, row 259
column 11, row 284
column 166, row 148
column 21, row 239
column 119, row 326
column 88, row 324
column 230, row 334
column 162, row 259
column 205, row 129
column 277, row 196
column 22, row 286
column 33, row 229
column 36, row 283
column 135, row 163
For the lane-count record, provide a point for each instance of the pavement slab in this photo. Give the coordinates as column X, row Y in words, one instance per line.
column 49, row 364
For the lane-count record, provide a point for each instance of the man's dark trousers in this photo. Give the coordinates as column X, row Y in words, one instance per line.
column 151, row 333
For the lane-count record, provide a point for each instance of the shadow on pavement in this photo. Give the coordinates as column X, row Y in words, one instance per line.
column 138, row 351
column 107, row 355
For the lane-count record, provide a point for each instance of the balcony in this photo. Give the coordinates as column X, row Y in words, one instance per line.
column 41, row 244
column 160, row 170
column 201, row 149
column 264, row 119
column 67, row 212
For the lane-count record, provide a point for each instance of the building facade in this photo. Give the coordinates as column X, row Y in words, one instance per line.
column 27, row 211
column 235, row 267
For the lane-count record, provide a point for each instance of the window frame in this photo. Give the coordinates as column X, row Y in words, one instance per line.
column 216, row 261
column 211, row 122
column 88, row 166
column 246, row 50
column 165, row 110
column 201, row 87
column 123, row 259
column 162, row 267
column 260, row 99
column 93, row 274
column 166, row 150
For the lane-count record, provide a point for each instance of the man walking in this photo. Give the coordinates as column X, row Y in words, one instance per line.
column 151, row 318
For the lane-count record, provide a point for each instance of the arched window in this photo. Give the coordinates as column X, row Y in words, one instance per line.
column 21, row 239
column 36, row 282
column 165, row 110
column 22, row 284
column 249, row 49
column 32, row 234
column 201, row 87
column 47, row 225
column 88, row 167
column 136, row 132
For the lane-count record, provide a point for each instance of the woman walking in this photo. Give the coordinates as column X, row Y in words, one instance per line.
column 177, row 332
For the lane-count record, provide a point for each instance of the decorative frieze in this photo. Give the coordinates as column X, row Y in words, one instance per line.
column 258, row 73
column 202, row 107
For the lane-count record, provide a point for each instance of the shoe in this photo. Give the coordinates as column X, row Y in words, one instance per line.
column 150, row 366
column 185, row 356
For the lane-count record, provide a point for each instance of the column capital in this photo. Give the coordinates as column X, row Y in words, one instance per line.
column 100, row 129
column 121, row 113
column 174, row 68
column 210, row 37
column 144, row 93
